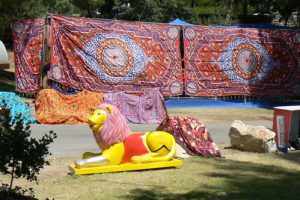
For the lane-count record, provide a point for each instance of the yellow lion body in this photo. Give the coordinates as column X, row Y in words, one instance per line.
column 152, row 146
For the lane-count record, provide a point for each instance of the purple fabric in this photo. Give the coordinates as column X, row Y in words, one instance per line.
column 147, row 108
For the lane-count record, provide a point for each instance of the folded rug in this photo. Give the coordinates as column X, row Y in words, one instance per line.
column 191, row 135
column 53, row 107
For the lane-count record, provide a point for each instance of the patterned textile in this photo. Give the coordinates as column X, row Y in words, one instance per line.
column 241, row 61
column 190, row 134
column 113, row 56
column 17, row 107
column 53, row 107
column 147, row 108
column 27, row 42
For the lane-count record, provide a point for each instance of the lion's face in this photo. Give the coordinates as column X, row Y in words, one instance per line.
column 97, row 119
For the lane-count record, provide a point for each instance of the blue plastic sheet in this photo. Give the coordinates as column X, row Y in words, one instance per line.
column 219, row 103
column 17, row 106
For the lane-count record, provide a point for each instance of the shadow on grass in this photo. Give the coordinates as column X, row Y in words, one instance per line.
column 234, row 180
column 293, row 156
column 7, row 81
column 18, row 193
column 16, row 197
column 160, row 193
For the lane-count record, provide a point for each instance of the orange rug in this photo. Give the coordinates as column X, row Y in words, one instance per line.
column 53, row 107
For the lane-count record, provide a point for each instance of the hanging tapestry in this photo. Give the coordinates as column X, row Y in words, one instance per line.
column 53, row 107
column 241, row 61
column 113, row 56
column 27, row 43
column 144, row 109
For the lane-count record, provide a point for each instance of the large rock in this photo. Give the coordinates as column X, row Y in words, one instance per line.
column 251, row 138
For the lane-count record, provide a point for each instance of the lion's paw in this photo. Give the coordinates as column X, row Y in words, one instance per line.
column 137, row 159
column 89, row 154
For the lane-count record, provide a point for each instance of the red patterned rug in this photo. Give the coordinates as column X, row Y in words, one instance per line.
column 113, row 56
column 241, row 61
column 27, row 43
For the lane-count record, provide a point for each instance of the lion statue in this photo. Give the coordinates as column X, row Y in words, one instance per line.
column 119, row 145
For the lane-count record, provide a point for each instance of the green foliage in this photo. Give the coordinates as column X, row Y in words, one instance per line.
column 107, row 10
column 21, row 155
column 59, row 6
column 89, row 8
column 285, row 8
column 20, row 9
column 204, row 12
column 156, row 11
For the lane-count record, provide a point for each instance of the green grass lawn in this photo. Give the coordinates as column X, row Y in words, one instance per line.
column 240, row 175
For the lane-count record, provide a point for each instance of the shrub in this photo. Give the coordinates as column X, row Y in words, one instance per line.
column 22, row 156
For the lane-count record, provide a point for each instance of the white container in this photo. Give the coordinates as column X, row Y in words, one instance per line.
column 3, row 54
column 281, row 144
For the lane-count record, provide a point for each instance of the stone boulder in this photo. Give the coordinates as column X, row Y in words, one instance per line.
column 252, row 138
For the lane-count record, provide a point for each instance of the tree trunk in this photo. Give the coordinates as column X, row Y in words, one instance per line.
column 286, row 19
column 89, row 12
column 245, row 8
column 11, row 182
column 193, row 4
column 230, row 7
column 298, row 17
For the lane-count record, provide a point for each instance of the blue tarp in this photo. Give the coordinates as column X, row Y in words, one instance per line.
column 17, row 106
column 180, row 22
column 219, row 103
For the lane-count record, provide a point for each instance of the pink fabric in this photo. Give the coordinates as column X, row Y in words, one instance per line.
column 147, row 108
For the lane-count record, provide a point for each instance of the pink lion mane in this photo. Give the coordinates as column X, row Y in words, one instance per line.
column 114, row 130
